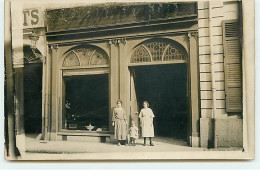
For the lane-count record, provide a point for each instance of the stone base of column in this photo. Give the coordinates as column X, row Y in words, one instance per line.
column 194, row 140
column 112, row 138
column 53, row 136
column 206, row 132
column 20, row 143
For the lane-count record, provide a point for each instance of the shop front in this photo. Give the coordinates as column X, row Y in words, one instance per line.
column 122, row 55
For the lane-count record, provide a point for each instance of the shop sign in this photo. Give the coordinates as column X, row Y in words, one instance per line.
column 32, row 18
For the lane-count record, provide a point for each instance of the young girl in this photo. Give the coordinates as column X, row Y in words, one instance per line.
column 146, row 118
column 133, row 132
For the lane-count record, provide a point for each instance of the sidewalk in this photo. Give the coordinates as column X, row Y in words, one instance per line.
column 67, row 150
column 160, row 145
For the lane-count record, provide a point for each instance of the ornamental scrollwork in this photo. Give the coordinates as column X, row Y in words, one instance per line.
column 117, row 41
column 193, row 34
column 54, row 46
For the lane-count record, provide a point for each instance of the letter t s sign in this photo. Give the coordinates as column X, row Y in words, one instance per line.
column 34, row 15
column 25, row 17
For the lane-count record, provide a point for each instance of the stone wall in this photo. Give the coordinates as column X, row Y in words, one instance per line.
column 212, row 78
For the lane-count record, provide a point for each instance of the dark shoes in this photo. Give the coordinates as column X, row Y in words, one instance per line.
column 151, row 144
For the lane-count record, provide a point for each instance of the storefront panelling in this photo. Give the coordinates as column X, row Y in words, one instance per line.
column 119, row 41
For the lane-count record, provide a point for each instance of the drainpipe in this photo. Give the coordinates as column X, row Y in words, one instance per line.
column 43, row 96
column 213, row 87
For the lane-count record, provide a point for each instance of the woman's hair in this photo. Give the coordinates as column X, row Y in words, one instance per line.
column 119, row 101
column 146, row 103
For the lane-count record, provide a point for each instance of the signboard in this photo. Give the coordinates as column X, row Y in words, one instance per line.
column 32, row 18
column 115, row 14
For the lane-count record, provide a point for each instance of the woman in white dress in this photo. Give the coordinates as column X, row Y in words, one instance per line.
column 119, row 122
column 146, row 119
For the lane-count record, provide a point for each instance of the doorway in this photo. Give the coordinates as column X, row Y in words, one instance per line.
column 33, row 98
column 86, row 102
column 165, row 88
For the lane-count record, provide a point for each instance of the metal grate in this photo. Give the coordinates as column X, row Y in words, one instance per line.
column 140, row 55
column 85, row 56
column 159, row 51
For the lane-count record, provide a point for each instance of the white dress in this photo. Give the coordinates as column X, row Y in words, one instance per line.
column 146, row 118
column 133, row 132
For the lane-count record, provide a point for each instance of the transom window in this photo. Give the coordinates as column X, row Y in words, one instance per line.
column 86, row 56
column 159, row 50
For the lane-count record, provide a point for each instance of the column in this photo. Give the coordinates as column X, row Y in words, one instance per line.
column 123, row 75
column 44, row 75
column 19, row 101
column 47, row 108
column 194, row 92
column 54, row 107
column 19, row 109
column 113, row 79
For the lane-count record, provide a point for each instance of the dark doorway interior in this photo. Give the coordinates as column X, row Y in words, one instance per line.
column 88, row 99
column 165, row 88
column 33, row 98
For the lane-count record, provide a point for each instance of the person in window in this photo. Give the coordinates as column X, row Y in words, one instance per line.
column 146, row 119
column 67, row 113
column 120, row 123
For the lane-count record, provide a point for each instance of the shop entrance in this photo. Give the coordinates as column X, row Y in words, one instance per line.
column 86, row 102
column 165, row 88
column 33, row 98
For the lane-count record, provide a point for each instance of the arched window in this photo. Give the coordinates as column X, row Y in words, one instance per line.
column 158, row 50
column 86, row 56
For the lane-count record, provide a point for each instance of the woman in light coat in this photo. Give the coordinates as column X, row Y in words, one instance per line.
column 146, row 119
column 119, row 122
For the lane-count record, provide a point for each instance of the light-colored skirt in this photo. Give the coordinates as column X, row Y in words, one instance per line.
column 147, row 127
column 120, row 129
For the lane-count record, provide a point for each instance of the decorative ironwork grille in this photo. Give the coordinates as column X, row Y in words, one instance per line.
column 158, row 51
column 141, row 55
column 85, row 56
column 71, row 60
column 99, row 58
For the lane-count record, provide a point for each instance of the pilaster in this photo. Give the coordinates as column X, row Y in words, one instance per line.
column 123, row 76
column 19, row 100
column 53, row 91
column 194, row 86
column 19, row 109
column 113, row 78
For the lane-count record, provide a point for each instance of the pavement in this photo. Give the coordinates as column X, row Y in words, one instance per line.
column 74, row 150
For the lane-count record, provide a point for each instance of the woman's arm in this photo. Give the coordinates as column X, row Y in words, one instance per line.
column 124, row 114
column 113, row 118
column 141, row 118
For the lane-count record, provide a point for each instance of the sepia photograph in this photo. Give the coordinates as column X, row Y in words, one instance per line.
column 129, row 80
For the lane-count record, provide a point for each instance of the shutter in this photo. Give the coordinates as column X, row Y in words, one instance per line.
column 233, row 68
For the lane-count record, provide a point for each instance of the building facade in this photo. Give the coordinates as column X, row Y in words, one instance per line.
column 183, row 58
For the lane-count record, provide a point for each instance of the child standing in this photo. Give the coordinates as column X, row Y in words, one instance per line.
column 133, row 131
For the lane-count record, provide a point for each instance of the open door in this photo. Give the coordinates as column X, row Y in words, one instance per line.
column 165, row 88
column 134, row 111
